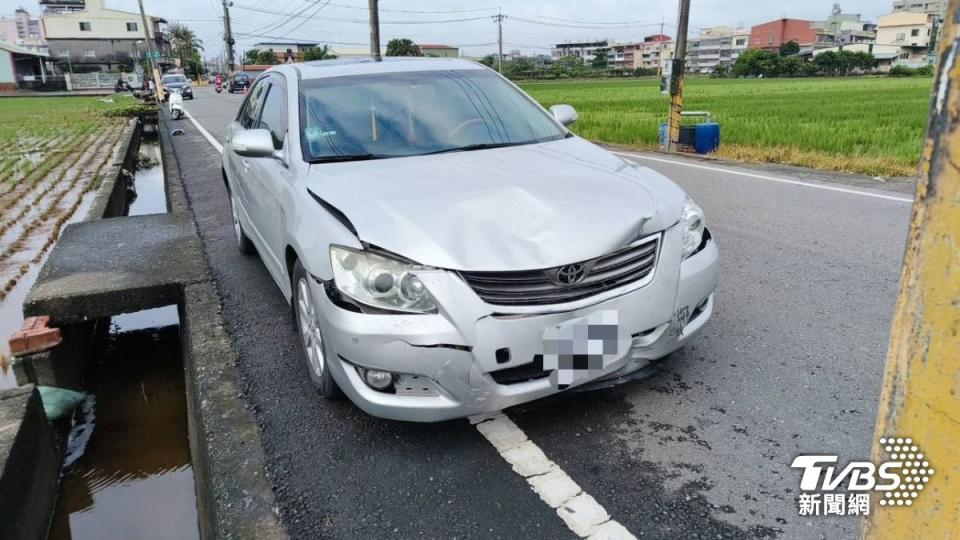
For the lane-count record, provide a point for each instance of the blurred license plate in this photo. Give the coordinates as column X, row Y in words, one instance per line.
column 581, row 349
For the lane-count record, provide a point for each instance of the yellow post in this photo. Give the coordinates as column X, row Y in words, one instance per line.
column 921, row 387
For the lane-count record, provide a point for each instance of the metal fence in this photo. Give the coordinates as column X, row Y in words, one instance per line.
column 53, row 83
column 92, row 81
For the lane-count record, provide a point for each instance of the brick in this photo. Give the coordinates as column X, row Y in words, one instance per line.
column 34, row 336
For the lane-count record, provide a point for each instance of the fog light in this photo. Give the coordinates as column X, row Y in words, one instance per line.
column 378, row 380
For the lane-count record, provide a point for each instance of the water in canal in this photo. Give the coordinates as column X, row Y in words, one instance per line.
column 127, row 473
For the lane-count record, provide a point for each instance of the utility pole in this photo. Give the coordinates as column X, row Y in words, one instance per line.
column 919, row 399
column 676, row 77
column 375, row 30
column 153, row 61
column 660, row 51
column 499, row 17
column 228, row 35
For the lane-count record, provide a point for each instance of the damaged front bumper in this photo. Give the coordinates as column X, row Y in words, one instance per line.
column 472, row 358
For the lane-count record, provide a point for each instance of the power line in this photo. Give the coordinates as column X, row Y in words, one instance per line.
column 476, row 10
column 584, row 26
column 357, row 21
column 597, row 23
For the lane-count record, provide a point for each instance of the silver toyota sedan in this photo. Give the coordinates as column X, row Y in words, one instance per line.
column 448, row 247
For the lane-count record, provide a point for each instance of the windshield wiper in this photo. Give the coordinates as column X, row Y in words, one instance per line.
column 478, row 146
column 350, row 157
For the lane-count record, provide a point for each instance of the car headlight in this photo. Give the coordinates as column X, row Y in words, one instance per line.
column 379, row 281
column 692, row 225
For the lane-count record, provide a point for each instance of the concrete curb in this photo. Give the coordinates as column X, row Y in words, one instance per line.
column 111, row 196
column 234, row 497
column 29, row 463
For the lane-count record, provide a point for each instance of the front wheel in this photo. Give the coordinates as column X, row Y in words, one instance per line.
column 177, row 113
column 243, row 241
column 311, row 341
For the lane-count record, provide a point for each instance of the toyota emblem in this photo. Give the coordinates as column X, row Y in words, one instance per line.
column 571, row 274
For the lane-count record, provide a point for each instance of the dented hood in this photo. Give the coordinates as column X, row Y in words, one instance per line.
column 515, row 208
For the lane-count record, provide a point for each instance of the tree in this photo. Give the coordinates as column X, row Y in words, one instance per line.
column 267, row 57
column 318, row 53
column 195, row 68
column 827, row 62
column 721, row 71
column 185, row 42
column 755, row 62
column 402, row 47
column 789, row 48
column 251, row 56
column 600, row 60
column 518, row 68
column 865, row 61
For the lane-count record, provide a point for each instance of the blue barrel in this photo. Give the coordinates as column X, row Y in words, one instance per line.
column 707, row 138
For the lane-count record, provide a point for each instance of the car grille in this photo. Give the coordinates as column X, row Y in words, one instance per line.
column 543, row 287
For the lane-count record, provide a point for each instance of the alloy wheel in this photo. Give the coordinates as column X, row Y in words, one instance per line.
column 309, row 328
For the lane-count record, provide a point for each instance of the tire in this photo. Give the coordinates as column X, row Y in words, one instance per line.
column 177, row 114
column 312, row 346
column 243, row 241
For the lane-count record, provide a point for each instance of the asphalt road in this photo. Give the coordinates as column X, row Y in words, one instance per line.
column 791, row 364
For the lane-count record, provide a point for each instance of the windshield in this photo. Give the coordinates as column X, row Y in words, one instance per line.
column 415, row 113
column 241, row 78
column 174, row 79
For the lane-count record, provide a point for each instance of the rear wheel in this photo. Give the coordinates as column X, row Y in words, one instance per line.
column 311, row 341
column 243, row 241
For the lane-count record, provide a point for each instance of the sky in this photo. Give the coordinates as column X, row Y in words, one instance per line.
column 531, row 26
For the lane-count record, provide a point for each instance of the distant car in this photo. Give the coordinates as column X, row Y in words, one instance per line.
column 176, row 81
column 448, row 247
column 238, row 83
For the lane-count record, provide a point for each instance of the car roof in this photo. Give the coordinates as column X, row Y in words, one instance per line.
column 394, row 64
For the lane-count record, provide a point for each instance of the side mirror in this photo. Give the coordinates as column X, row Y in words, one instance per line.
column 565, row 114
column 254, row 143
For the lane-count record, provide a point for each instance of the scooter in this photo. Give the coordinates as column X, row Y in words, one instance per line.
column 219, row 87
column 175, row 102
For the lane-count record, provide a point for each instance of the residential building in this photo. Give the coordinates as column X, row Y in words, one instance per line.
column 911, row 31
column 61, row 6
column 23, row 31
column 937, row 8
column 285, row 50
column 440, row 51
column 355, row 51
column 651, row 53
column 20, row 67
column 843, row 28
column 27, row 26
column 585, row 51
column 716, row 46
column 97, row 38
column 770, row 35
column 620, row 55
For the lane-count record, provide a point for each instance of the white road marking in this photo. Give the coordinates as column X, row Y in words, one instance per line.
column 216, row 144
column 766, row 177
column 581, row 512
